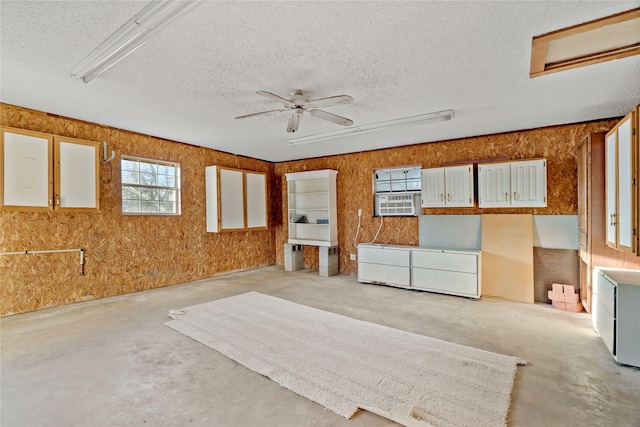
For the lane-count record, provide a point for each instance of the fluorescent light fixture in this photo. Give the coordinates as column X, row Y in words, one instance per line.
column 605, row 39
column 154, row 17
column 422, row 118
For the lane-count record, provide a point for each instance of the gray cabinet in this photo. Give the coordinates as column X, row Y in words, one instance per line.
column 617, row 313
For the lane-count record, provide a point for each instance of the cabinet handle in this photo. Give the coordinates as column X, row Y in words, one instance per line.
column 50, row 202
column 448, row 197
column 612, row 221
column 515, row 196
column 58, row 201
column 441, row 197
column 506, row 196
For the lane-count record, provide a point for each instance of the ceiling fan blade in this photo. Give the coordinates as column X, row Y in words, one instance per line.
column 331, row 100
column 331, row 117
column 285, row 101
column 262, row 112
column 294, row 121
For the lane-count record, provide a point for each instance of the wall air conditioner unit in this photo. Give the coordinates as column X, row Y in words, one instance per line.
column 396, row 204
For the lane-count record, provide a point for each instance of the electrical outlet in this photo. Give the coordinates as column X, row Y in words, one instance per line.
column 359, row 212
column 352, row 257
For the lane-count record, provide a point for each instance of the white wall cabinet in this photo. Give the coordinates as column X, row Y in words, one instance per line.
column 453, row 272
column 235, row 199
column 312, row 208
column 447, row 187
column 617, row 313
column 45, row 172
column 621, row 176
column 520, row 183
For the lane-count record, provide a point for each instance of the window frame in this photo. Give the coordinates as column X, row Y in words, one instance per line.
column 414, row 192
column 176, row 187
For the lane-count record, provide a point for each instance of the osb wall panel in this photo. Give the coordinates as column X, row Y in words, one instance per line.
column 558, row 144
column 124, row 253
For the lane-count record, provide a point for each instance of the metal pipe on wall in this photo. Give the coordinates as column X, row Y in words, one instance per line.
column 52, row 251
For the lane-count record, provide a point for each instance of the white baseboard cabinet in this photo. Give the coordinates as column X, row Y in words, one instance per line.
column 453, row 272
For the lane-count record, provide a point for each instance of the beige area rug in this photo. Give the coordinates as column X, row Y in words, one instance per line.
column 345, row 364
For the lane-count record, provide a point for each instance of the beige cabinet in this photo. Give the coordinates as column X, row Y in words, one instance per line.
column 45, row 172
column 621, row 183
column 448, row 187
column 235, row 199
column 521, row 183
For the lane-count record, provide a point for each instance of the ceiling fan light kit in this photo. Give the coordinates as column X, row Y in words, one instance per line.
column 154, row 17
column 437, row 116
column 298, row 103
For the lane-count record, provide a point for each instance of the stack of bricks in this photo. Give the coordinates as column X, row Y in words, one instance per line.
column 564, row 297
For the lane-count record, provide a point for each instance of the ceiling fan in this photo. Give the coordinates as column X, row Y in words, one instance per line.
column 298, row 103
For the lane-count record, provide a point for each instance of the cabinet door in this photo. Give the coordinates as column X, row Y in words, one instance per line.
column 231, row 199
column 76, row 175
column 459, row 186
column 529, row 183
column 626, row 188
column 27, row 170
column 494, row 185
column 256, row 186
column 433, row 188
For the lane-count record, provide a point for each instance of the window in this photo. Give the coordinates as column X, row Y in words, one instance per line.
column 399, row 180
column 150, row 187
column 397, row 191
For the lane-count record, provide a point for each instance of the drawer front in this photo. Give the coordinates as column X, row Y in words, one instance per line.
column 389, row 274
column 448, row 282
column 388, row 256
column 607, row 295
column 464, row 263
column 605, row 323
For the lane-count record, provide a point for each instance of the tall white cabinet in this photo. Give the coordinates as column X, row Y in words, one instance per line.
column 312, row 208
column 521, row 183
column 621, row 182
column 448, row 187
column 235, row 199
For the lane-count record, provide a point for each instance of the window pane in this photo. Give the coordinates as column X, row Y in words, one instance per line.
column 397, row 175
column 129, row 165
column 130, row 193
column 130, row 206
column 148, row 194
column 414, row 174
column 149, row 206
column 147, row 178
column 148, row 168
column 129, row 177
column 167, row 207
column 166, row 180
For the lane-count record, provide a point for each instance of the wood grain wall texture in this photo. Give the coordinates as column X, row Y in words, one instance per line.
column 558, row 144
column 124, row 253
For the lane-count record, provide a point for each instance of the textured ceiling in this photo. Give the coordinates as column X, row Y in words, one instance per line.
column 396, row 59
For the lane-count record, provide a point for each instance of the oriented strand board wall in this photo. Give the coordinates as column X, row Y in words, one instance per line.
column 124, row 253
column 558, row 144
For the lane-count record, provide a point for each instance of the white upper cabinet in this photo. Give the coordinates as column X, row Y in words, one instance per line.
column 447, row 187
column 494, row 185
column 235, row 199
column 622, row 162
column 513, row 184
column 45, row 172
column 529, row 183
column 433, row 188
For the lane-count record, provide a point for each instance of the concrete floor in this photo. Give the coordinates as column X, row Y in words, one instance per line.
column 111, row 362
